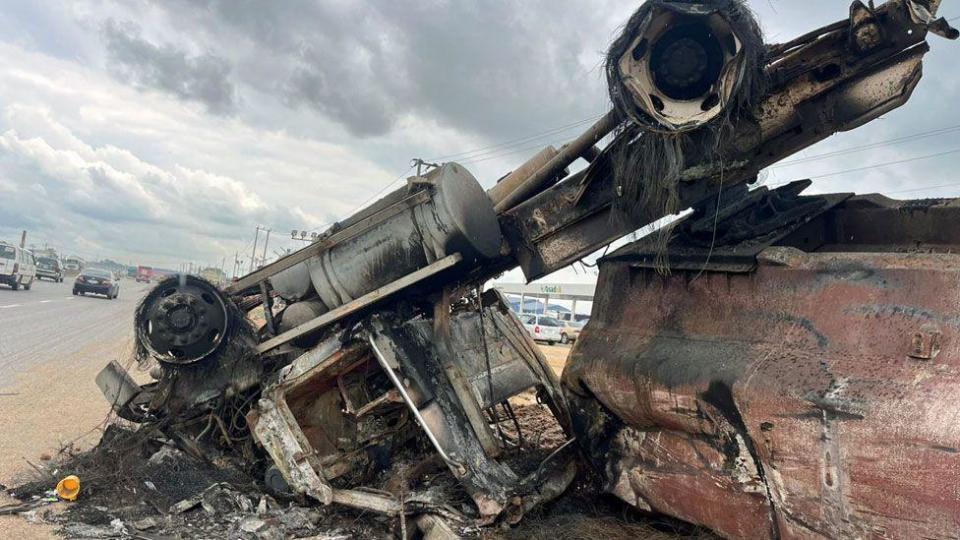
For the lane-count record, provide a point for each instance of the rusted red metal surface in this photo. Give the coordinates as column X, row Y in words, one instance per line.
column 816, row 396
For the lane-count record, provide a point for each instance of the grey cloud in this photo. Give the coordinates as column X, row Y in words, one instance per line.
column 361, row 111
column 491, row 69
column 204, row 78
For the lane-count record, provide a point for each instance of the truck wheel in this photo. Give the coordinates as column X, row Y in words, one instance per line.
column 26, row 286
column 551, row 343
column 75, row 292
column 15, row 285
column 564, row 339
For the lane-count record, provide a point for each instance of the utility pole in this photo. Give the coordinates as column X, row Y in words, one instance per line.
column 23, row 240
column 253, row 256
column 265, row 242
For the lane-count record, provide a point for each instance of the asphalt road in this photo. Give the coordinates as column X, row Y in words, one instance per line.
column 48, row 323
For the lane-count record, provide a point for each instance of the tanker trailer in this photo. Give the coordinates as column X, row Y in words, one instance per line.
column 386, row 343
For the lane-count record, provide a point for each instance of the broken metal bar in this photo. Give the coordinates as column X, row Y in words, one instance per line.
column 319, row 247
column 392, row 396
column 566, row 156
column 512, row 181
column 412, row 405
column 267, row 308
column 360, row 303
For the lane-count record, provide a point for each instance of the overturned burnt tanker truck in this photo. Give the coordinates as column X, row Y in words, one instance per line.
column 770, row 365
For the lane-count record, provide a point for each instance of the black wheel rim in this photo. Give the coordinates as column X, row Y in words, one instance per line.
column 183, row 320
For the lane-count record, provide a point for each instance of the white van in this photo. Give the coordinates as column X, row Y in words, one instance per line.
column 17, row 267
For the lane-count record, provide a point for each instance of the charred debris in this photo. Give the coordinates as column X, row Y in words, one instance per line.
column 382, row 378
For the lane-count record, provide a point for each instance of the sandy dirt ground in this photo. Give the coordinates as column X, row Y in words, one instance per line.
column 47, row 408
column 58, row 403
column 556, row 356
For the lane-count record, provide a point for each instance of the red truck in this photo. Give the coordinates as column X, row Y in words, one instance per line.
column 144, row 274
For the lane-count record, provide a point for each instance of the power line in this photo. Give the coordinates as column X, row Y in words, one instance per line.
column 874, row 166
column 870, row 146
column 851, row 150
column 514, row 142
column 530, row 148
column 371, row 199
column 887, row 164
column 928, row 188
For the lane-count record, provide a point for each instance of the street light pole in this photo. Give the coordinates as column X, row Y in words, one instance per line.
column 265, row 242
column 253, row 256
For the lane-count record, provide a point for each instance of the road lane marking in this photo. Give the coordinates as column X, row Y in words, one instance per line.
column 46, row 301
column 10, row 306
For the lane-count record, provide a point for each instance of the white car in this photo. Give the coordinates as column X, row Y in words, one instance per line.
column 17, row 267
column 542, row 328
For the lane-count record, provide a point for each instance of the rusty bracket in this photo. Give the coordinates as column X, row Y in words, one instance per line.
column 925, row 344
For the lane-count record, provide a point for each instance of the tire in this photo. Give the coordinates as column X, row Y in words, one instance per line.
column 564, row 339
column 551, row 343
column 15, row 286
column 27, row 286
column 75, row 292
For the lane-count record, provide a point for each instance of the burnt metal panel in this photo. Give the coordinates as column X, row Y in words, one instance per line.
column 727, row 233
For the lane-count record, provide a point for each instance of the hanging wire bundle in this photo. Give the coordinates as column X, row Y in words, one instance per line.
column 648, row 156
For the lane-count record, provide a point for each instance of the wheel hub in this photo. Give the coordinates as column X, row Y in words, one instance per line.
column 183, row 320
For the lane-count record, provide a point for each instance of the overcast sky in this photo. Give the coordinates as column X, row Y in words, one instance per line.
column 160, row 132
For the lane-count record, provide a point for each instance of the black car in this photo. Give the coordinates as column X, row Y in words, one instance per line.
column 96, row 281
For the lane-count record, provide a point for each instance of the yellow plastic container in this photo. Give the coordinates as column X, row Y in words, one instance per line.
column 68, row 488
